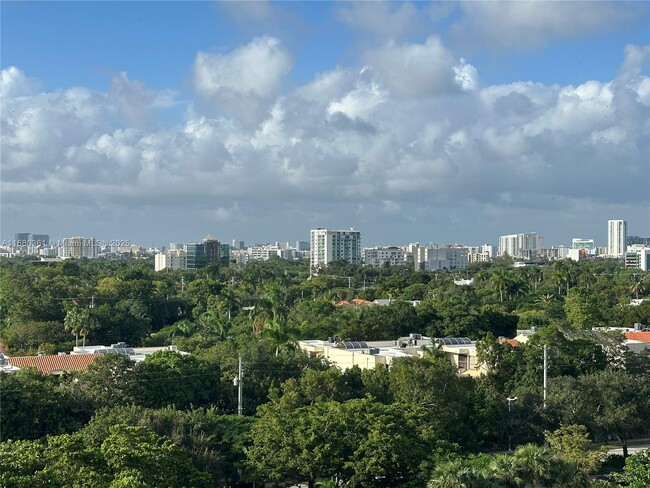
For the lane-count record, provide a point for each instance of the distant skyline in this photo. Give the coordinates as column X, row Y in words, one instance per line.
column 445, row 121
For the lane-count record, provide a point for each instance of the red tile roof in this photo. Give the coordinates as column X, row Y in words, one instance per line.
column 638, row 336
column 361, row 301
column 53, row 364
column 512, row 342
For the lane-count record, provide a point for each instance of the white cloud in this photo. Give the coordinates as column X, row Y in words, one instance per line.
column 14, row 83
column 242, row 83
column 385, row 20
column 347, row 140
column 420, row 70
column 528, row 24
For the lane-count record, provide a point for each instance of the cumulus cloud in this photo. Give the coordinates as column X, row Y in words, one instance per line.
column 384, row 20
column 242, row 83
column 14, row 83
column 352, row 145
column 421, row 70
column 529, row 24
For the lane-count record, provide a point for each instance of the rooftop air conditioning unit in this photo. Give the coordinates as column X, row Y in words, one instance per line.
column 417, row 337
column 373, row 351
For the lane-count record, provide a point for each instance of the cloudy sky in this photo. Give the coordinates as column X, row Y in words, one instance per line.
column 445, row 122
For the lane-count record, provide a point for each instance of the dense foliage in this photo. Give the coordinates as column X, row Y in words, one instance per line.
column 169, row 421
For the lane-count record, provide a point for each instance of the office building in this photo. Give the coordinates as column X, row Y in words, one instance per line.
column 644, row 241
column 334, row 245
column 578, row 243
column 616, row 238
column 637, row 257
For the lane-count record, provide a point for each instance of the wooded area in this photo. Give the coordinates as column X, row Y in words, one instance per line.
column 170, row 420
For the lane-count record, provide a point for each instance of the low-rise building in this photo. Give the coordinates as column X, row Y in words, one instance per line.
column 367, row 355
column 379, row 256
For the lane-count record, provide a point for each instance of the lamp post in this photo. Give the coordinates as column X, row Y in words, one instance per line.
column 510, row 400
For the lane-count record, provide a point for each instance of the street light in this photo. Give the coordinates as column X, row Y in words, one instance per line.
column 510, row 400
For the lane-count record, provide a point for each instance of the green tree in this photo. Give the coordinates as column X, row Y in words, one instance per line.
column 168, row 378
column 636, row 473
column 500, row 280
column 77, row 322
column 150, row 457
column 34, row 406
column 572, row 443
column 109, row 380
column 22, row 465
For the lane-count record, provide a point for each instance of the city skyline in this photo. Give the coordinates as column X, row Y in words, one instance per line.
column 160, row 122
column 125, row 241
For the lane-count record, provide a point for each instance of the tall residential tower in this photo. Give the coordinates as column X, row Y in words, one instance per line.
column 334, row 245
column 616, row 238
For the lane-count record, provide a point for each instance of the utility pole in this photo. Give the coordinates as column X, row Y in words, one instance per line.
column 349, row 281
column 238, row 383
column 92, row 301
column 545, row 372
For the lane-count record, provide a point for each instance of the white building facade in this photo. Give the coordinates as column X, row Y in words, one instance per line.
column 378, row 256
column 616, row 238
column 637, row 257
column 79, row 247
column 522, row 246
column 173, row 259
column 334, row 245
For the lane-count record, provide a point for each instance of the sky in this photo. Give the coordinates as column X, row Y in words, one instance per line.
column 447, row 122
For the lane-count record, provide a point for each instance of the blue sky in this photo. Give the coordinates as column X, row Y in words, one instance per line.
column 444, row 121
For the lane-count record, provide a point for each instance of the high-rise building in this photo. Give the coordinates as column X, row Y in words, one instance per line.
column 578, row 243
column 521, row 246
column 195, row 255
column 212, row 249
column 616, row 238
column 632, row 240
column 334, row 245
column 173, row 258
column 79, row 247
column 28, row 243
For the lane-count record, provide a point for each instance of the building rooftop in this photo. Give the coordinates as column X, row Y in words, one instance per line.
column 641, row 336
column 54, row 364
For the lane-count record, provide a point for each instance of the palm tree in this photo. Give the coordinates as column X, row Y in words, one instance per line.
column 500, row 281
column 76, row 322
column 504, row 468
column 280, row 334
column 227, row 301
column 455, row 474
column 638, row 287
column 587, row 279
column 545, row 300
column 533, row 464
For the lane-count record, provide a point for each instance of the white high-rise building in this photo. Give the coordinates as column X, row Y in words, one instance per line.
column 79, row 247
column 616, row 238
column 578, row 243
column 173, row 258
column 522, row 246
column 334, row 245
